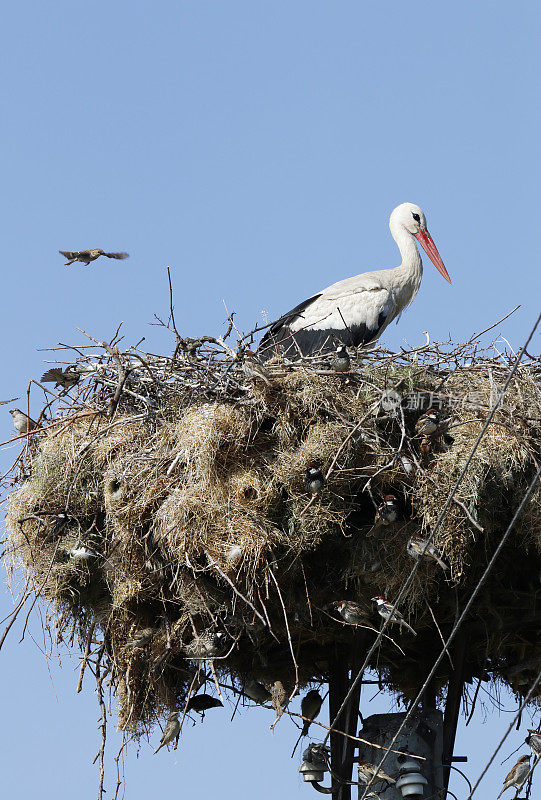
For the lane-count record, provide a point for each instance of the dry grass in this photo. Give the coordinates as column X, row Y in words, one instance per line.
column 195, row 505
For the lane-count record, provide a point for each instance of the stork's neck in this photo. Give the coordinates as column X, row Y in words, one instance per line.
column 410, row 270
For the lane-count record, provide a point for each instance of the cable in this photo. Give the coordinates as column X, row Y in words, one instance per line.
column 462, row 616
column 504, row 737
column 409, row 579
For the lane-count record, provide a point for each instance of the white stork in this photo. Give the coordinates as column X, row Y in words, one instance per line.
column 357, row 310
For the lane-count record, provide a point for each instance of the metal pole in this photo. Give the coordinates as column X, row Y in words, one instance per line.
column 452, row 706
column 422, row 735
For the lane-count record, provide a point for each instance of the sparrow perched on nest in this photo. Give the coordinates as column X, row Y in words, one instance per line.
column 350, row 612
column 385, row 610
column 533, row 740
column 367, row 772
column 253, row 369
column 83, row 552
column 428, row 423
column 314, row 480
column 21, row 421
column 140, row 639
column 202, row 703
column 386, row 514
column 416, row 548
column 278, row 697
column 256, row 692
column 426, row 445
column 208, row 644
column 341, row 361
column 310, row 708
column 171, row 730
column 516, row 778
column 64, row 378
column 86, row 256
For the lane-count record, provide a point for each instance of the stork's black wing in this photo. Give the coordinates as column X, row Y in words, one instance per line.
column 279, row 330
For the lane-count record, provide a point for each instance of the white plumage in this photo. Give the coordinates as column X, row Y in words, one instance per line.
column 356, row 311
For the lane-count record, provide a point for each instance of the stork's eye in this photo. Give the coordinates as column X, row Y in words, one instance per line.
column 416, row 217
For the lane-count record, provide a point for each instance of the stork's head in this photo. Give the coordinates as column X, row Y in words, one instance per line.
column 411, row 218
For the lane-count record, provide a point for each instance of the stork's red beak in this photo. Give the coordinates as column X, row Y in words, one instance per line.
column 432, row 252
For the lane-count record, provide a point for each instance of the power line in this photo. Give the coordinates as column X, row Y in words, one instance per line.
column 462, row 616
column 437, row 525
column 504, row 737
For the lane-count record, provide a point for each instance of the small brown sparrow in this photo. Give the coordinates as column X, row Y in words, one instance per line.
column 171, row 730
column 341, row 361
column 310, row 708
column 385, row 610
column 516, row 778
column 208, row 644
column 256, row 691
column 428, row 423
column 202, row 703
column 86, row 256
column 22, row 422
column 367, row 772
column 253, row 369
column 350, row 612
column 386, row 514
column 426, row 445
column 416, row 548
column 64, row 378
column 314, row 480
column 533, row 740
column 140, row 639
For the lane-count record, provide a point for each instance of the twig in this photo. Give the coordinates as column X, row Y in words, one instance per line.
column 103, row 721
column 440, row 634
column 230, row 582
column 477, row 335
column 85, row 656
column 295, row 689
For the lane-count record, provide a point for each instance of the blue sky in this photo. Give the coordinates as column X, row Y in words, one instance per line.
column 257, row 148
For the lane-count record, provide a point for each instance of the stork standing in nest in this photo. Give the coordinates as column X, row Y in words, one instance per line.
column 356, row 311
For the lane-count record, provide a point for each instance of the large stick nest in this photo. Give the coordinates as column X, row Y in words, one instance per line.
column 185, row 478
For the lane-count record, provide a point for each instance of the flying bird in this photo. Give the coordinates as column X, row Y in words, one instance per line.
column 314, row 481
column 357, row 310
column 310, row 708
column 86, row 256
column 21, row 421
column 385, row 610
column 170, row 732
column 419, row 548
column 367, row 772
column 516, row 778
column 65, row 378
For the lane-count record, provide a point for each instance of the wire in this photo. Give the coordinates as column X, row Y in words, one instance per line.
column 456, row 769
column 438, row 522
column 506, row 734
column 463, row 614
